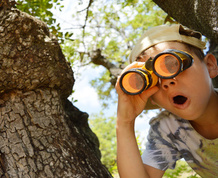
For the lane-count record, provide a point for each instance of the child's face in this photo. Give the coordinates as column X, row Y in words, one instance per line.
column 188, row 94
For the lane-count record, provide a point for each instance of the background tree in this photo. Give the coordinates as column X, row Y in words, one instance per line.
column 108, row 33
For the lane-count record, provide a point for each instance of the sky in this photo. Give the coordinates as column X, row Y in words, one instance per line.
column 85, row 94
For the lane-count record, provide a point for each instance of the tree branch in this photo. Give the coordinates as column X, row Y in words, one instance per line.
column 98, row 59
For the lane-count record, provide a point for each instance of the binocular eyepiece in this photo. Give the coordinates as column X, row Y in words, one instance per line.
column 165, row 65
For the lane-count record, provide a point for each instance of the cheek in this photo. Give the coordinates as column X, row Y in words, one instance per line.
column 158, row 99
column 199, row 76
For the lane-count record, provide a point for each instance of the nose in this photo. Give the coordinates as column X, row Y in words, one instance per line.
column 167, row 83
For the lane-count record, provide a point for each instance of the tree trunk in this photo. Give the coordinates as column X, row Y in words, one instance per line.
column 41, row 133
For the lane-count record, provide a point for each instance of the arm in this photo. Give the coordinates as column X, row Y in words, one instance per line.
column 129, row 160
column 128, row 156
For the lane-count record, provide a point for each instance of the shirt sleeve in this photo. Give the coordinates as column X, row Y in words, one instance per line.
column 160, row 151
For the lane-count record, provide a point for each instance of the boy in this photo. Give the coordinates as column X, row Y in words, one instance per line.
column 188, row 128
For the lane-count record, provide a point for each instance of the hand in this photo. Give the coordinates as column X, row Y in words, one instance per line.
column 130, row 106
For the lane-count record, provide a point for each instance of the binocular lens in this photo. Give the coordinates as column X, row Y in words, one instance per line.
column 134, row 82
column 166, row 65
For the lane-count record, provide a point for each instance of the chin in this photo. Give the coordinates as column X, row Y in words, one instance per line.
column 190, row 116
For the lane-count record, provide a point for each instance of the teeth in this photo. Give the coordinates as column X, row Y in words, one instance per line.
column 179, row 99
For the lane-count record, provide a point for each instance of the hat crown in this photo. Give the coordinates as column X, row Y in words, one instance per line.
column 165, row 33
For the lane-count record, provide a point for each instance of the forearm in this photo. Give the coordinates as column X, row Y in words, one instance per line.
column 129, row 107
column 128, row 156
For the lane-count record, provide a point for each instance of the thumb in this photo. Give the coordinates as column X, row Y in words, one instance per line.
column 149, row 92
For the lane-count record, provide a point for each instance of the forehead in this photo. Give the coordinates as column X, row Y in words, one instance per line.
column 158, row 48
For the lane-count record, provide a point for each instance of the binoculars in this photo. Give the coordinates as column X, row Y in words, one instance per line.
column 165, row 65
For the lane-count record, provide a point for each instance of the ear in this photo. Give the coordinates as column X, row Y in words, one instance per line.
column 211, row 63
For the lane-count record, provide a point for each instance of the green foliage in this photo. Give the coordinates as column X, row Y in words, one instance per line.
column 113, row 27
column 104, row 86
column 104, row 128
column 182, row 170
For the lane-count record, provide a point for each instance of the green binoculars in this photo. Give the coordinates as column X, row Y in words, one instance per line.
column 165, row 65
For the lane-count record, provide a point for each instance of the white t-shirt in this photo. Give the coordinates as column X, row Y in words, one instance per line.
column 172, row 138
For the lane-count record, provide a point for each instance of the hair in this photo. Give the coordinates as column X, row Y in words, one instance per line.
column 199, row 53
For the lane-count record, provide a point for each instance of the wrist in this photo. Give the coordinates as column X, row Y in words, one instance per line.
column 125, row 124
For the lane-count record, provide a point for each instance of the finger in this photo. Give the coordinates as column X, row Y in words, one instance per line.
column 117, row 86
column 133, row 65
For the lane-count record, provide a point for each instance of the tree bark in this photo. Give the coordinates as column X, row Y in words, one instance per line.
column 41, row 133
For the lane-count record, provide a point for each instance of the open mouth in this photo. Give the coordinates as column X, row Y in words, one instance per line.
column 179, row 99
